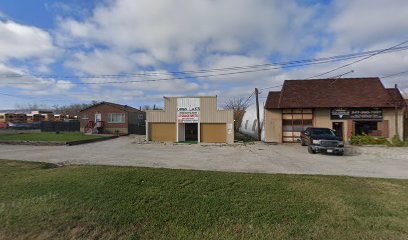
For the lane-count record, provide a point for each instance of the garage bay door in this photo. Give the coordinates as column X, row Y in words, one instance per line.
column 213, row 132
column 162, row 132
column 294, row 122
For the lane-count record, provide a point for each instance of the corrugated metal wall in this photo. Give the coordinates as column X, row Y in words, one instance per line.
column 169, row 114
column 209, row 112
column 188, row 103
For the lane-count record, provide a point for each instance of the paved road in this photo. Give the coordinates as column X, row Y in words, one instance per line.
column 125, row 151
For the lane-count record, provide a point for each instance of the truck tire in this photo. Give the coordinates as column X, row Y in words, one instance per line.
column 310, row 150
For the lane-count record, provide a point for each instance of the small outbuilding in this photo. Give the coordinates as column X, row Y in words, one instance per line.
column 350, row 106
column 249, row 123
column 107, row 117
column 195, row 119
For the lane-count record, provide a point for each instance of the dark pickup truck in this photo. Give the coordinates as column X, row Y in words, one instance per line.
column 322, row 140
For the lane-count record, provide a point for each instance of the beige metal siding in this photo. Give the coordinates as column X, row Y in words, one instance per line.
column 214, row 132
column 209, row 112
column 169, row 114
column 162, row 132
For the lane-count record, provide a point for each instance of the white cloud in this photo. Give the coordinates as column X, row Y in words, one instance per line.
column 24, row 42
column 25, row 49
column 32, row 86
column 364, row 25
column 100, row 62
column 132, row 35
column 181, row 30
column 359, row 24
column 129, row 36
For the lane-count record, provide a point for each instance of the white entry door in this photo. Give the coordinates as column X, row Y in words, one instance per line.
column 98, row 117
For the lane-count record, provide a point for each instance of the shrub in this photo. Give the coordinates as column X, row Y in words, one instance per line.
column 364, row 139
column 396, row 141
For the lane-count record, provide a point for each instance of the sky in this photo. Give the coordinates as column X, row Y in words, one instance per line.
column 135, row 52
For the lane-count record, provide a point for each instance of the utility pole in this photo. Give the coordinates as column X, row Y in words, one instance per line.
column 257, row 114
column 396, row 115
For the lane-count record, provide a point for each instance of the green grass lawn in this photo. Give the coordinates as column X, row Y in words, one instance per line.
column 48, row 137
column 101, row 202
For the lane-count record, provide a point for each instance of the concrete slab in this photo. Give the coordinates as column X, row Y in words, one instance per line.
column 384, row 162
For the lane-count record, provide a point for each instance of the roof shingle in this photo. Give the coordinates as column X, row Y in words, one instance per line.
column 330, row 93
column 119, row 106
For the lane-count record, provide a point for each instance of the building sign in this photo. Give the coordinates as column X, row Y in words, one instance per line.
column 356, row 113
column 188, row 110
column 188, row 117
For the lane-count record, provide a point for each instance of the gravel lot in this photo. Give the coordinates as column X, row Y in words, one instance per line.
column 286, row 158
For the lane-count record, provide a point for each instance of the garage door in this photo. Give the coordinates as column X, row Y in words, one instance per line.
column 162, row 132
column 213, row 132
column 294, row 122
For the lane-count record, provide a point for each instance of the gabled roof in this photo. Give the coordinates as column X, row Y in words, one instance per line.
column 115, row 105
column 396, row 96
column 330, row 93
column 273, row 100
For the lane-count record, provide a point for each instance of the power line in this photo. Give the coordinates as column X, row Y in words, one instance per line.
column 31, row 97
column 341, row 75
column 271, row 87
column 305, row 62
column 267, row 68
column 360, row 60
column 172, row 78
column 249, row 97
column 395, row 74
column 10, row 95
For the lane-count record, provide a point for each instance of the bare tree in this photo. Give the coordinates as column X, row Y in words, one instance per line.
column 239, row 106
column 146, row 107
column 30, row 106
column 72, row 109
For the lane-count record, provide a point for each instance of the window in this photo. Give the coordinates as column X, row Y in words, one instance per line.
column 140, row 116
column 85, row 116
column 246, row 124
column 254, row 126
column 322, row 131
column 365, row 127
column 116, row 118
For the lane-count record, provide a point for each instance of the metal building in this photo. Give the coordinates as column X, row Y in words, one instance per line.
column 249, row 125
column 195, row 119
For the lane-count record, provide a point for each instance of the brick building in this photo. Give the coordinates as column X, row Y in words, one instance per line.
column 109, row 117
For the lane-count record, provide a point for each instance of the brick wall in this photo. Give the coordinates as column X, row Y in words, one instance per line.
column 104, row 110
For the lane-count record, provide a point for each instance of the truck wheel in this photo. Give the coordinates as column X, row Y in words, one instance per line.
column 340, row 154
column 310, row 150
